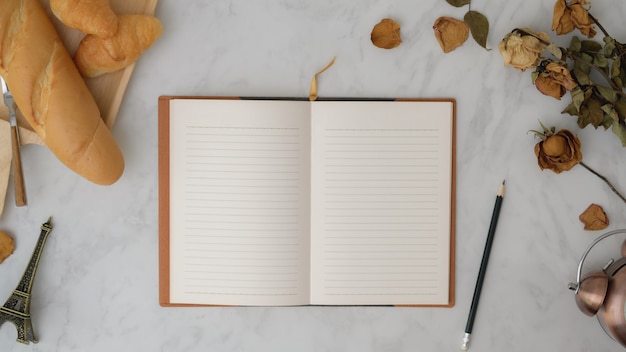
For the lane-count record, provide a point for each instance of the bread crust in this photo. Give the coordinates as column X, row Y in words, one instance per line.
column 89, row 16
column 96, row 56
column 52, row 95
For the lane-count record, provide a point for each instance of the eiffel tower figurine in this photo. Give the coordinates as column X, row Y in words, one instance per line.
column 17, row 308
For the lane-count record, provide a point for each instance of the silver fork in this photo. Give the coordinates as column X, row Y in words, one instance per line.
column 18, row 176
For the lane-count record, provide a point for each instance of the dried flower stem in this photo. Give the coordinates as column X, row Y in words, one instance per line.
column 595, row 20
column 532, row 35
column 605, row 180
column 613, row 85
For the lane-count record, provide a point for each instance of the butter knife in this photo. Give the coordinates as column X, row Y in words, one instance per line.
column 18, row 176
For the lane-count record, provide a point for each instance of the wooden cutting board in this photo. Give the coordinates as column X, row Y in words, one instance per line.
column 108, row 90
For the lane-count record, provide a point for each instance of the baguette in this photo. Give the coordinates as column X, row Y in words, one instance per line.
column 52, row 95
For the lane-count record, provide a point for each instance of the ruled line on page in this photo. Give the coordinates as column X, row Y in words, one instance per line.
column 242, row 180
column 382, row 179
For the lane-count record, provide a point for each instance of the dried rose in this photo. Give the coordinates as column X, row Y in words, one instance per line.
column 554, row 80
column 567, row 17
column 450, row 33
column 6, row 246
column 558, row 151
column 386, row 34
column 594, row 218
column 522, row 49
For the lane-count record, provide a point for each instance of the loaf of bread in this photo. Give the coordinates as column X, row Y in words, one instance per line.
column 136, row 33
column 52, row 95
column 89, row 16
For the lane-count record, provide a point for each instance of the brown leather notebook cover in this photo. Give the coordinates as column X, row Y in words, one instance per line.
column 164, row 192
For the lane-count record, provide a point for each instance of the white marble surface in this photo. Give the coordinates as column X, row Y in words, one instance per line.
column 96, row 288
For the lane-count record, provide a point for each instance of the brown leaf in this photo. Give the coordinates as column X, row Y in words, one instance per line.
column 450, row 33
column 386, row 34
column 594, row 218
column 6, row 246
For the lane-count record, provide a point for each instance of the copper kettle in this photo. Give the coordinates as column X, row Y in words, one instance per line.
column 603, row 292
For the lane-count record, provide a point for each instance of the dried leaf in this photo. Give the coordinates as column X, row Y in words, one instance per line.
column 609, row 47
column 582, row 77
column 610, row 115
column 620, row 131
column 616, row 69
column 386, row 34
column 450, row 33
column 594, row 218
column 590, row 46
column 458, row 3
column 592, row 112
column 620, row 106
column 607, row 93
column 570, row 109
column 479, row 27
column 575, row 44
column 600, row 61
column 578, row 97
column 555, row 50
column 6, row 246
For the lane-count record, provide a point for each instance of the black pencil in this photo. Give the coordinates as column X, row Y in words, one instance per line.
column 483, row 268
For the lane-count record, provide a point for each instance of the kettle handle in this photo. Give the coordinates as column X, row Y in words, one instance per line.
column 576, row 286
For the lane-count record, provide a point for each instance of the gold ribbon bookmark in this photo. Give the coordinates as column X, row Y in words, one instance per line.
column 313, row 91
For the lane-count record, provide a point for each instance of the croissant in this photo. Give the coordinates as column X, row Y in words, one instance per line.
column 96, row 56
column 89, row 16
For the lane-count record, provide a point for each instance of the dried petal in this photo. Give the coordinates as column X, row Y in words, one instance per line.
column 581, row 18
column 555, row 145
column 522, row 49
column 549, row 87
column 559, row 152
column 450, row 33
column 554, row 80
column 6, row 246
column 594, row 218
column 562, row 19
column 566, row 17
column 386, row 34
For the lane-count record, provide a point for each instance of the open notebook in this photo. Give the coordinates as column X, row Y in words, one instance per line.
column 290, row 202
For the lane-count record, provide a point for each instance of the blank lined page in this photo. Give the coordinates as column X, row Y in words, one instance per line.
column 381, row 202
column 239, row 202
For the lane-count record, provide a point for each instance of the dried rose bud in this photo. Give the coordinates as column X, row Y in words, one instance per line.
column 522, row 49
column 554, row 80
column 594, row 218
column 6, row 246
column 386, row 34
column 559, row 151
column 567, row 17
column 450, row 33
